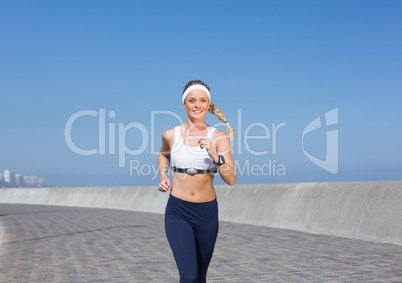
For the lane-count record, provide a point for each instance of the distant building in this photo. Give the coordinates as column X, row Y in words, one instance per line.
column 31, row 181
column 19, row 180
column 9, row 178
column 42, row 182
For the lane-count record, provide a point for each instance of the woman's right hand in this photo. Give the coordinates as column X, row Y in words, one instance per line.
column 164, row 185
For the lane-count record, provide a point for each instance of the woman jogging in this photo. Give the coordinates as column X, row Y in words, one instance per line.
column 196, row 151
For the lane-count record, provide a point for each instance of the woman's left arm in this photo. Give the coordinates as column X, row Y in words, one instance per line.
column 222, row 145
column 226, row 170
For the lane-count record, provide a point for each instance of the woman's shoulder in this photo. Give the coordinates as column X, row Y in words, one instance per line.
column 168, row 134
column 219, row 134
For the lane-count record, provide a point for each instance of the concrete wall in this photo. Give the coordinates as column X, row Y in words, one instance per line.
column 365, row 210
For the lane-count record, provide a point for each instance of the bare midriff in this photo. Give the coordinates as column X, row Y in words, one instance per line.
column 194, row 188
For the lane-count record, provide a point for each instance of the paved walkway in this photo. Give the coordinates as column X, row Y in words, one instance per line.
column 62, row 244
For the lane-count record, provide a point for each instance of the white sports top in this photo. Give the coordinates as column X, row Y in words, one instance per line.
column 184, row 156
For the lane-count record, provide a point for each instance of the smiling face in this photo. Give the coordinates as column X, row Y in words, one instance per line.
column 196, row 104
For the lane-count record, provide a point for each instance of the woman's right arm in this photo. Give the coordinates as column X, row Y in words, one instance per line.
column 164, row 161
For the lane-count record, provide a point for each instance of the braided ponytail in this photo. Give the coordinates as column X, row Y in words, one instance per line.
column 222, row 117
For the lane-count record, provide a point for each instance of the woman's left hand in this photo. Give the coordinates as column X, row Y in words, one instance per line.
column 207, row 143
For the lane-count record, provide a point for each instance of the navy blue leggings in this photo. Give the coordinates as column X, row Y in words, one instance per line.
column 191, row 229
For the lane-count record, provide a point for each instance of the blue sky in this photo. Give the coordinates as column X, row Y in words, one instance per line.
column 266, row 62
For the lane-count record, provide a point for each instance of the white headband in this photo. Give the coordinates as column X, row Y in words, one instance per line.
column 193, row 87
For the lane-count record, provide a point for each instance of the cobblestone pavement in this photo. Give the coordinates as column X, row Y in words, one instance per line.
column 64, row 244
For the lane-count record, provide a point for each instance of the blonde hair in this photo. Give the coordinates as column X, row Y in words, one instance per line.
column 229, row 130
